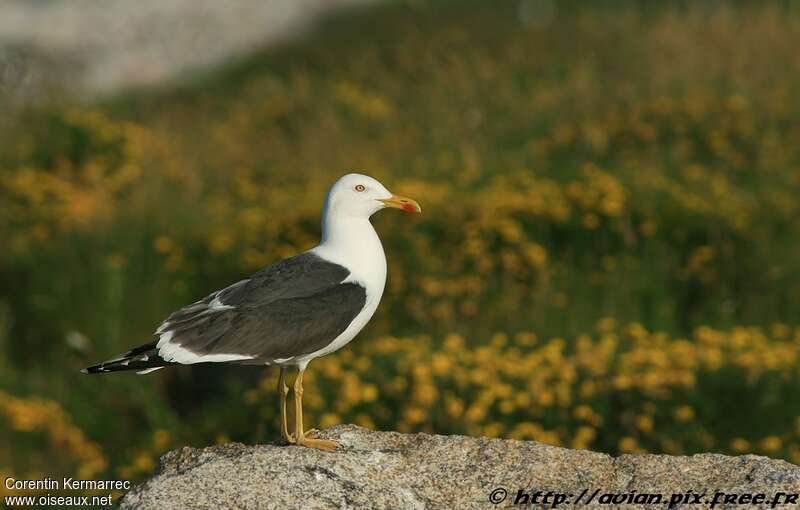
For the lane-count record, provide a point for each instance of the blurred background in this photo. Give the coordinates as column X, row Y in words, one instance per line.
column 608, row 258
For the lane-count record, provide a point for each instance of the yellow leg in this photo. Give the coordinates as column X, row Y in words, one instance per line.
column 283, row 391
column 301, row 439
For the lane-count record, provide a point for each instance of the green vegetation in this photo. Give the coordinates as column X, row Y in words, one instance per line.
column 607, row 258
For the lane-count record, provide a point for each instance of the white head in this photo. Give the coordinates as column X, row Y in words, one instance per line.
column 360, row 196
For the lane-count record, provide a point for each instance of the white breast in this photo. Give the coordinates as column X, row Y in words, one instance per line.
column 357, row 248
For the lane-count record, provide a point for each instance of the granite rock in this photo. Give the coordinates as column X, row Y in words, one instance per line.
column 422, row 471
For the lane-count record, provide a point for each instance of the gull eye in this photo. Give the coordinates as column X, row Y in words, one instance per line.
column 360, row 187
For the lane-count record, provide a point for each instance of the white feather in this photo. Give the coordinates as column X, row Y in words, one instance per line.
column 217, row 304
column 355, row 246
column 148, row 370
column 175, row 353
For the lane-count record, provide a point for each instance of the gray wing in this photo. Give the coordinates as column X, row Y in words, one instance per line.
column 294, row 307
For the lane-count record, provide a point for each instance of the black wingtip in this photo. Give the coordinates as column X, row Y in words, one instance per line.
column 94, row 369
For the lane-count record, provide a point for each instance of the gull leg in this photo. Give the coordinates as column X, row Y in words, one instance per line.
column 283, row 391
column 320, row 444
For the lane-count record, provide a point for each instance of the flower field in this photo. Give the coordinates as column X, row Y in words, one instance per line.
column 608, row 255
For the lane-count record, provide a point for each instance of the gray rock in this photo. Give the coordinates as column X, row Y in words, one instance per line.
column 421, row 471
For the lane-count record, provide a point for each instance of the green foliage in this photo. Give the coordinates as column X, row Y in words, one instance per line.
column 575, row 164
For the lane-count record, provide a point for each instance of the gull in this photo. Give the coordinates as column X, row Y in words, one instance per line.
column 291, row 312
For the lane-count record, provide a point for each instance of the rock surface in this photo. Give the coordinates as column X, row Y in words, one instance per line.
column 420, row 471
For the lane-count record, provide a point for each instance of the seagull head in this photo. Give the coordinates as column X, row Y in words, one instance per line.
column 361, row 196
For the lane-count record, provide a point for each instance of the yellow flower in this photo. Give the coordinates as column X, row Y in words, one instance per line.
column 740, row 445
column 648, row 228
column 163, row 244
column 493, row 429
column 644, row 423
column 591, row 221
column 606, row 325
column 583, row 437
column 329, row 420
column 415, row 415
column 771, row 444
column 143, row 463
column 684, row 413
column 582, row 412
column 628, row 445
column 441, row 364
column 161, row 439
column 369, row 392
column 364, row 420
column 455, row 407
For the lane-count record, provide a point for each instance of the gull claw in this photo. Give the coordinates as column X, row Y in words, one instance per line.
column 320, row 444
